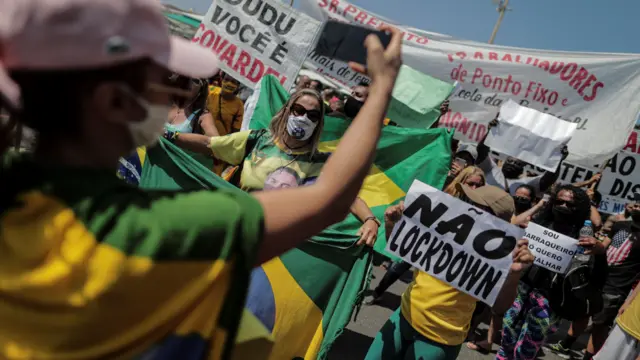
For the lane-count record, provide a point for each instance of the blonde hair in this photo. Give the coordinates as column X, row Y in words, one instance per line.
column 278, row 125
column 466, row 173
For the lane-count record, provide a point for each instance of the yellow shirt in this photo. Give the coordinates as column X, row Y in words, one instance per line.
column 437, row 310
column 229, row 120
column 629, row 321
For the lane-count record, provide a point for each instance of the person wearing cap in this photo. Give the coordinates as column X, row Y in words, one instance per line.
column 93, row 268
column 464, row 156
column 434, row 317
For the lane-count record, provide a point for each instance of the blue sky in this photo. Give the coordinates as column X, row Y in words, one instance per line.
column 574, row 25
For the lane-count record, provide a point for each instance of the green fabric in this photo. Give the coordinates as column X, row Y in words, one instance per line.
column 175, row 228
column 331, row 270
column 416, row 98
column 404, row 154
column 183, row 19
column 398, row 340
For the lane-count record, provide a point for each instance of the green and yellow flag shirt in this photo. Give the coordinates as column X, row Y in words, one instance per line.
column 93, row 268
column 265, row 165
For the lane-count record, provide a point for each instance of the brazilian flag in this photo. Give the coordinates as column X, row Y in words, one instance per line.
column 306, row 297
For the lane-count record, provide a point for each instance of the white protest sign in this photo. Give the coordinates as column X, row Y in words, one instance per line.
column 257, row 38
column 620, row 178
column 530, row 135
column 596, row 91
column 455, row 242
column 552, row 250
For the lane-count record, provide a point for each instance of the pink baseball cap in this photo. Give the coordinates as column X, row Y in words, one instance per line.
column 77, row 34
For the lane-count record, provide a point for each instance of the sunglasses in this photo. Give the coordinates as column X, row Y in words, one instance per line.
column 561, row 202
column 313, row 114
column 476, row 184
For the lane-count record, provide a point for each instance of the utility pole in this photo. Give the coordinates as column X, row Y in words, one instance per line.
column 502, row 8
column 291, row 3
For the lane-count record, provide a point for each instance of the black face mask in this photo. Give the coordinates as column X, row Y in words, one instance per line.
column 352, row 107
column 563, row 214
column 512, row 171
column 522, row 204
column 635, row 216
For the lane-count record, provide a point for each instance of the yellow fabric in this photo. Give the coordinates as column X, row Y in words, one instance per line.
column 253, row 340
column 301, row 331
column 230, row 148
column 437, row 310
column 65, row 281
column 229, row 120
column 629, row 321
column 378, row 189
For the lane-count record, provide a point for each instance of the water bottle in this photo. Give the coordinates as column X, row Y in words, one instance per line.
column 587, row 231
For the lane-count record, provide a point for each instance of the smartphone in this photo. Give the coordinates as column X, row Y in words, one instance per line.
column 345, row 42
column 461, row 162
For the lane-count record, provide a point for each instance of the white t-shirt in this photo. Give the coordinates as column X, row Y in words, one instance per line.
column 495, row 177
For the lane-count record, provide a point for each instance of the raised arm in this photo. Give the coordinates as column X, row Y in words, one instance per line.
column 483, row 150
column 549, row 178
column 294, row 215
column 589, row 182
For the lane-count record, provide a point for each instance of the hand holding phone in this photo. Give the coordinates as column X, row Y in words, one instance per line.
column 346, row 42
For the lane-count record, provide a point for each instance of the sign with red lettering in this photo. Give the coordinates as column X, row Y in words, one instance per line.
column 257, row 38
column 598, row 92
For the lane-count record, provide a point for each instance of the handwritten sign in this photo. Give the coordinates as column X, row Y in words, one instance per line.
column 552, row 250
column 253, row 39
column 455, row 242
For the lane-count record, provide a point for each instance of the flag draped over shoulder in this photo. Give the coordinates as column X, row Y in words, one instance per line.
column 306, row 296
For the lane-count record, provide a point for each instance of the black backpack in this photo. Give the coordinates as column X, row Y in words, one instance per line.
column 578, row 293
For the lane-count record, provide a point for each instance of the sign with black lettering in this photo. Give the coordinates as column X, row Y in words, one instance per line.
column 619, row 178
column 455, row 242
column 552, row 250
column 257, row 38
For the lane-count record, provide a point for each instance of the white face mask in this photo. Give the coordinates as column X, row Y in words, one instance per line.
column 147, row 131
column 300, row 127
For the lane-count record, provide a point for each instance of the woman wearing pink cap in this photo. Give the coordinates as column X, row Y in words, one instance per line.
column 93, row 268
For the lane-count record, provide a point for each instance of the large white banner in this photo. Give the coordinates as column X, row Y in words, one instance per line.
column 257, row 38
column 455, row 242
column 530, row 135
column 598, row 92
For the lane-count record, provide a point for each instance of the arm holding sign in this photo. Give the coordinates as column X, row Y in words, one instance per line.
column 392, row 215
column 594, row 179
column 483, row 150
column 525, row 217
column 522, row 259
column 549, row 178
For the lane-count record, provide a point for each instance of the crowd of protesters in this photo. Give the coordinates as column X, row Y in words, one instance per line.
column 80, row 241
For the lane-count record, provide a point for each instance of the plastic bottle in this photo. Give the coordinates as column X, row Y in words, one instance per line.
column 585, row 231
